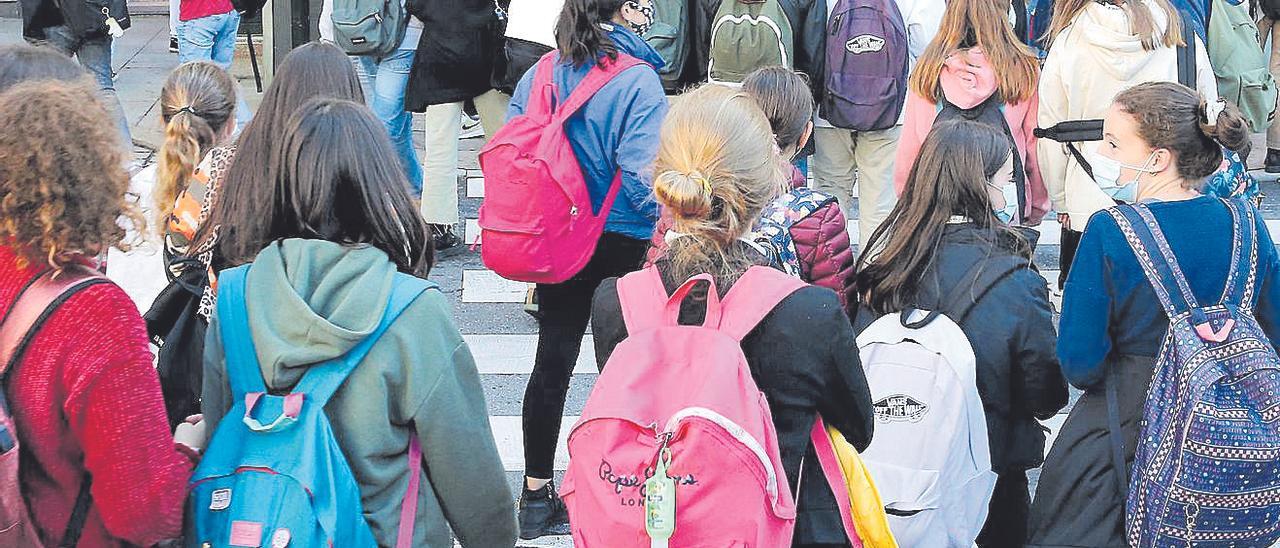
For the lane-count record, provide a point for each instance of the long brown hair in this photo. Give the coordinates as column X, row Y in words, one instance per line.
column 1141, row 23
column 949, row 178
column 314, row 69
column 578, row 34
column 980, row 23
column 197, row 102
column 333, row 176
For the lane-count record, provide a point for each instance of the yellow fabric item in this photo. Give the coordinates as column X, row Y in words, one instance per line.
column 868, row 510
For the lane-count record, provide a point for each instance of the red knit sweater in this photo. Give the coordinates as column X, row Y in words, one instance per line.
column 85, row 396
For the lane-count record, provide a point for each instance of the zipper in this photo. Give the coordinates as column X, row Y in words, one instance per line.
column 739, row 433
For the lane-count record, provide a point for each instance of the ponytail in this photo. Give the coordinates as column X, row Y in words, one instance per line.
column 1175, row 117
column 579, row 36
column 196, row 103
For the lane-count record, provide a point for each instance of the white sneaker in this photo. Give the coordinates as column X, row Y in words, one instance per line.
column 471, row 127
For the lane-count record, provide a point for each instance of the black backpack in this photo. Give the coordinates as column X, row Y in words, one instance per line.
column 989, row 112
column 89, row 17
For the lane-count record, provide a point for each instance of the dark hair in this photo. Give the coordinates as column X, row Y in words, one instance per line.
column 578, row 33
column 196, row 104
column 1172, row 116
column 784, row 96
column 333, row 176
column 949, row 178
column 20, row 63
column 314, row 69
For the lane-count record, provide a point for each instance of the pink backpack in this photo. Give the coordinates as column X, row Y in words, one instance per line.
column 536, row 223
column 22, row 321
column 682, row 397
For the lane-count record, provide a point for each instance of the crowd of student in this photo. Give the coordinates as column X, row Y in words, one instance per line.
column 299, row 307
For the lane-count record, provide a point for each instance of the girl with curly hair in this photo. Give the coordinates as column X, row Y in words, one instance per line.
column 83, row 394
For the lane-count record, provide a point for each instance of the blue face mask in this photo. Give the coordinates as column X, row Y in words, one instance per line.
column 1009, row 212
column 1106, row 172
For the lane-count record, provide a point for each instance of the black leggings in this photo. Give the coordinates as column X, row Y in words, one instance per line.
column 565, row 309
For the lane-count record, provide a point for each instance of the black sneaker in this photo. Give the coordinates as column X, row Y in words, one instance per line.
column 542, row 513
column 173, row 44
column 445, row 240
column 1272, row 163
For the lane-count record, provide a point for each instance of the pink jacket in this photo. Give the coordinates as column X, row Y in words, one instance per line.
column 967, row 80
column 822, row 246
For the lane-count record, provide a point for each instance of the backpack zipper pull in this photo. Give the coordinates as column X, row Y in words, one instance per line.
column 660, row 500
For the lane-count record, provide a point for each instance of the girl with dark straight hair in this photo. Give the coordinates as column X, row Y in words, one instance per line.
column 615, row 135
column 335, row 232
column 945, row 226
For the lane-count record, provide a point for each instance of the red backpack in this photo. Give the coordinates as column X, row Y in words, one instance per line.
column 536, row 222
column 33, row 305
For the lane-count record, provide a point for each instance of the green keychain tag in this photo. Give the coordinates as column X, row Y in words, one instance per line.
column 660, row 503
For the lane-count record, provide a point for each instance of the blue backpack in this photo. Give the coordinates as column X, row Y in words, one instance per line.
column 273, row 474
column 772, row 232
column 1207, row 464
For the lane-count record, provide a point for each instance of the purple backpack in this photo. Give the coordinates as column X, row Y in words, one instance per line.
column 866, row 83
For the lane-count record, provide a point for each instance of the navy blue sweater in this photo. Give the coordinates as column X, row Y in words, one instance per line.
column 1108, row 306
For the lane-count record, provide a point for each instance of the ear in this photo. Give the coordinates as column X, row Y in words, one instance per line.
column 1164, row 160
column 805, row 135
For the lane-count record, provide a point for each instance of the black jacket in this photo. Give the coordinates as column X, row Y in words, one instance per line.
column 1011, row 331
column 809, row 25
column 455, row 56
column 804, row 358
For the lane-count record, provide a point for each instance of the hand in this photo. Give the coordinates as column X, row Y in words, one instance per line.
column 1064, row 220
column 191, row 433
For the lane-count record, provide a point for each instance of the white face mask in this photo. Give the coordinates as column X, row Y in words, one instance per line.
column 1009, row 212
column 1106, row 172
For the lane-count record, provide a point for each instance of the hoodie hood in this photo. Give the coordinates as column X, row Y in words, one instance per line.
column 311, row 301
column 632, row 44
column 1105, row 35
column 967, row 78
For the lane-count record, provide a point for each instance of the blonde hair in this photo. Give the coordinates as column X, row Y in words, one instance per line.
column 1141, row 23
column 983, row 22
column 717, row 167
column 196, row 103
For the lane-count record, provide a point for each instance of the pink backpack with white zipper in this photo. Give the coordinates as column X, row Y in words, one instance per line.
column 536, row 223
column 676, row 412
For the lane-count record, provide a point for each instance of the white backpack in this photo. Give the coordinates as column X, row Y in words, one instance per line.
column 930, row 457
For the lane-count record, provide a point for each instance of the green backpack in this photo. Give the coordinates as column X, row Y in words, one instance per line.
column 747, row 35
column 1239, row 63
column 669, row 36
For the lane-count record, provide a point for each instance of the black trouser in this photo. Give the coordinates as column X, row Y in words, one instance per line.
column 1067, row 253
column 1006, row 525
column 565, row 309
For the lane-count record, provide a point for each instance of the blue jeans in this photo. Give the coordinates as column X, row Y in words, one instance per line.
column 213, row 39
column 384, row 80
column 94, row 54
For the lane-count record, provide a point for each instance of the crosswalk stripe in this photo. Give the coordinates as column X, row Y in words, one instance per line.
column 471, row 232
column 475, row 187
column 1054, row 424
column 508, row 433
column 485, row 286
column 513, row 354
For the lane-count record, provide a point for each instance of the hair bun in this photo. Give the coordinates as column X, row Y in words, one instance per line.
column 687, row 195
column 1222, row 122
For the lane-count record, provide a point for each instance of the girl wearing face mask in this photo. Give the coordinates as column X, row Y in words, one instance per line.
column 615, row 134
column 943, row 243
column 1161, row 140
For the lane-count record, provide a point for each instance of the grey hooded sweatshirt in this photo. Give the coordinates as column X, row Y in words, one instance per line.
column 312, row 300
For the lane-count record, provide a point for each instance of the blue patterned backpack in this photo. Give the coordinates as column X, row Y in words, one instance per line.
column 772, row 232
column 1207, row 464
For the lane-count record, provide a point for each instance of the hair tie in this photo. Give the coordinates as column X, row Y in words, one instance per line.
column 1213, row 110
column 702, row 180
column 185, row 109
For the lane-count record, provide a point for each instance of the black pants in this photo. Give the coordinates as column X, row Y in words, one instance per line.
column 1066, row 254
column 565, row 309
column 1006, row 525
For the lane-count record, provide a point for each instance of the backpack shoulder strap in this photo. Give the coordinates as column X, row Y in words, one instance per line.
column 595, row 79
column 642, row 297
column 756, row 293
column 1242, row 277
column 243, row 371
column 35, row 302
column 1187, row 53
column 322, row 380
column 1144, row 235
column 980, row 280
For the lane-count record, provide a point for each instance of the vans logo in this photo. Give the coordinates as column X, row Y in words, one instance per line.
column 864, row 43
column 900, row 408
